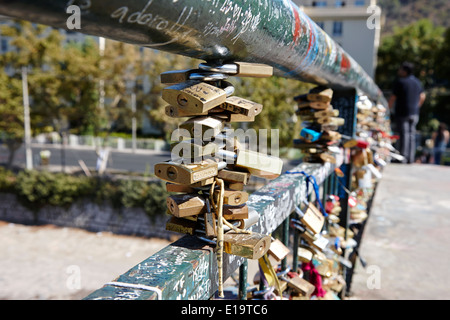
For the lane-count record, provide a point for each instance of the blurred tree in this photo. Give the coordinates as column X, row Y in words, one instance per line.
column 416, row 43
column 276, row 95
column 11, row 110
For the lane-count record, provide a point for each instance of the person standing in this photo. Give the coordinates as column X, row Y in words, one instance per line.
column 407, row 96
column 440, row 141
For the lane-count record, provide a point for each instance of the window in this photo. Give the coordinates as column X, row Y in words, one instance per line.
column 337, row 28
column 4, row 45
column 319, row 3
column 321, row 24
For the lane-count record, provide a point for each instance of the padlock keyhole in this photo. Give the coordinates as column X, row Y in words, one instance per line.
column 182, row 101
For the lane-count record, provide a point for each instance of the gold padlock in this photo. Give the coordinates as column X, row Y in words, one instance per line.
column 257, row 164
column 312, row 218
column 187, row 174
column 189, row 149
column 300, row 285
column 198, row 127
column 278, row 250
column 181, row 225
column 241, row 106
column 251, row 246
column 320, row 94
column 182, row 205
column 235, row 212
column 194, row 96
column 234, row 198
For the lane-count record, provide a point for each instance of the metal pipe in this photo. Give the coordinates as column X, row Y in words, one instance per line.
column 273, row 32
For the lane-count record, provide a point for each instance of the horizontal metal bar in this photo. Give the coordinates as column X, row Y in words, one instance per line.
column 273, row 32
column 187, row 269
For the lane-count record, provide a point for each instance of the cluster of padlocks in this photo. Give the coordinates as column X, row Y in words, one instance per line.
column 319, row 138
column 210, row 166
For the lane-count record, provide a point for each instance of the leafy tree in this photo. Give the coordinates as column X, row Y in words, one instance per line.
column 416, row 43
column 11, row 110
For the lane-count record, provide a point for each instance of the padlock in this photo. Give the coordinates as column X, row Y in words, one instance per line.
column 237, row 186
column 240, row 69
column 198, row 127
column 317, row 105
column 195, row 96
column 304, row 253
column 189, row 149
column 316, row 240
column 299, row 284
column 176, row 76
column 235, row 212
column 251, row 246
column 331, row 135
column 320, row 94
column 241, row 106
column 257, row 164
column 182, row 205
column 312, row 218
column 310, row 135
column 181, row 225
column 278, row 250
column 179, row 112
column 209, row 220
column 172, row 187
column 234, row 198
column 334, row 121
column 188, row 174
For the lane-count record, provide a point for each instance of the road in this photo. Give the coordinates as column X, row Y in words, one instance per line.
column 142, row 161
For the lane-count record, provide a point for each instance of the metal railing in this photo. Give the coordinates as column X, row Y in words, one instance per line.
column 187, row 268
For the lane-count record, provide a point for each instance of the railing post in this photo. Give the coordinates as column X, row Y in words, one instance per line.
column 243, row 272
column 345, row 102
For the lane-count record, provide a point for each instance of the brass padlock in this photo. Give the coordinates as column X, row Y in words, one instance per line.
column 278, row 250
column 241, row 106
column 194, row 96
column 251, row 246
column 181, row 225
column 172, row 187
column 182, row 205
column 317, row 105
column 337, row 121
column 189, row 149
column 320, row 95
column 257, row 164
column 234, row 198
column 300, row 285
column 304, row 254
column 188, row 174
column 204, row 128
column 240, row 69
column 312, row 218
column 235, row 212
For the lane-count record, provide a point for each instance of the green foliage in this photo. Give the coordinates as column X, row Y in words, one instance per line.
column 416, row 43
column 57, row 189
column 38, row 188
